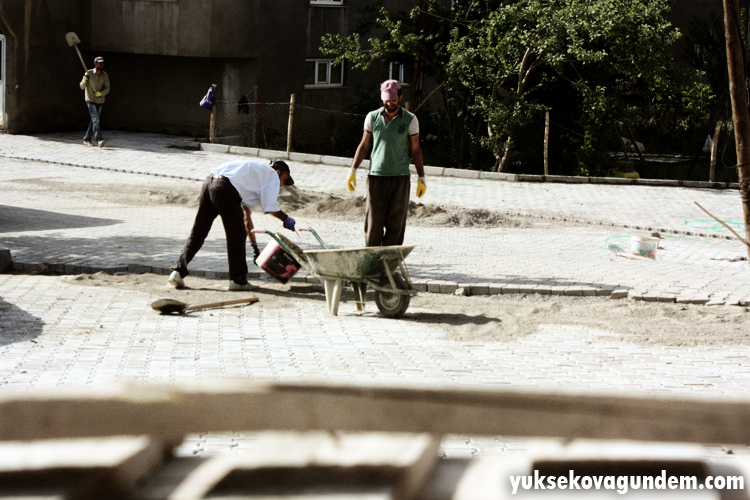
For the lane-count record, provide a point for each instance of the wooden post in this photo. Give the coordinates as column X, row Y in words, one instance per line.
column 212, row 127
column 714, row 148
column 290, row 127
column 546, row 143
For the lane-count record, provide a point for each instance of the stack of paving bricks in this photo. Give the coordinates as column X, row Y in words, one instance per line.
column 344, row 441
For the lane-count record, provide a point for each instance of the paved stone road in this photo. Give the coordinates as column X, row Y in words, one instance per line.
column 54, row 333
column 543, row 258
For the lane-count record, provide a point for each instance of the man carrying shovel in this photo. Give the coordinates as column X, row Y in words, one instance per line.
column 96, row 84
column 231, row 191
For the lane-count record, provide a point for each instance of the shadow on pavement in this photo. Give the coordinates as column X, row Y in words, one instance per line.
column 444, row 274
column 101, row 252
column 15, row 219
column 448, row 318
column 16, row 325
column 139, row 141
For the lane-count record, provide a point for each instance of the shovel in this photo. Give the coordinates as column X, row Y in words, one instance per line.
column 171, row 306
column 73, row 41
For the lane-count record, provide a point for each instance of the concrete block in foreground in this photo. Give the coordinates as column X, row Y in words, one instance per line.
column 6, row 260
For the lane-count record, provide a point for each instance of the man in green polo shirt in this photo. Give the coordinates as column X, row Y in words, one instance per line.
column 392, row 131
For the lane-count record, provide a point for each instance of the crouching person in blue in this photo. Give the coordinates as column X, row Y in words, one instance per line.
column 231, row 191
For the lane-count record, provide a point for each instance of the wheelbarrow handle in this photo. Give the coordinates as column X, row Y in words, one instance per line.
column 259, row 230
column 311, row 230
column 300, row 228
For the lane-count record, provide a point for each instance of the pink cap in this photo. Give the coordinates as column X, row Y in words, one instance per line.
column 388, row 90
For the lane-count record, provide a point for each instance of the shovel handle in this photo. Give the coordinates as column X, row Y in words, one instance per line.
column 81, row 58
column 251, row 300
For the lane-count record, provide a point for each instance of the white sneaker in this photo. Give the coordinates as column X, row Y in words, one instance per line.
column 175, row 280
column 88, row 143
column 101, row 144
column 236, row 287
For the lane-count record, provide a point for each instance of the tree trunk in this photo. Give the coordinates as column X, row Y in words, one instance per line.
column 714, row 149
column 505, row 160
column 740, row 114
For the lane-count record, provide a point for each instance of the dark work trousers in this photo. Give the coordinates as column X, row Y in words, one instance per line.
column 386, row 210
column 218, row 197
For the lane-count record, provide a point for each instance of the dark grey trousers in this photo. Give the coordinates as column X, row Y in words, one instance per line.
column 218, row 198
column 386, row 210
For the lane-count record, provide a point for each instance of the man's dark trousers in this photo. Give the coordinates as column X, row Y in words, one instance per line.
column 218, row 198
column 386, row 210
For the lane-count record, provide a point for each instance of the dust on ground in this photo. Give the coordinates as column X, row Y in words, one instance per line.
column 497, row 318
column 292, row 199
column 315, row 204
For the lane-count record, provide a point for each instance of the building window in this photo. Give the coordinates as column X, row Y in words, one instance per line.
column 400, row 72
column 324, row 73
column 327, row 2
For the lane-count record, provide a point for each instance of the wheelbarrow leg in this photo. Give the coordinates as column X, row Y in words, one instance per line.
column 360, row 291
column 333, row 295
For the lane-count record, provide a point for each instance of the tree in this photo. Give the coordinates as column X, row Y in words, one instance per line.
column 499, row 61
column 602, row 49
column 382, row 36
column 740, row 113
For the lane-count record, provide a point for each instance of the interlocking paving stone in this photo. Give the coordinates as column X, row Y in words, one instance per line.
column 55, row 335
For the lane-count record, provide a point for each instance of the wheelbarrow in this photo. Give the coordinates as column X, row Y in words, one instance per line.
column 362, row 267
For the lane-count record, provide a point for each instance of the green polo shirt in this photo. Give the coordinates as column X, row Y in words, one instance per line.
column 390, row 142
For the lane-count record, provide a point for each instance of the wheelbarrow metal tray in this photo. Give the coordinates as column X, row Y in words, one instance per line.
column 357, row 263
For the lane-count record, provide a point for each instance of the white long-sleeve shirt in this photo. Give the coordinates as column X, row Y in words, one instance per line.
column 257, row 183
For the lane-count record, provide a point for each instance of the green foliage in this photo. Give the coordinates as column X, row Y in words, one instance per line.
column 594, row 64
column 396, row 37
column 706, row 50
column 603, row 49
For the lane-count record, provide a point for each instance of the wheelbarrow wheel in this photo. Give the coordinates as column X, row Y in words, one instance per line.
column 392, row 305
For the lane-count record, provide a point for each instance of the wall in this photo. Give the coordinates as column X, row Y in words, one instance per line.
column 42, row 71
column 162, row 55
column 189, row 28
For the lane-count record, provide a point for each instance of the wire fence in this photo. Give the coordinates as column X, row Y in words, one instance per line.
column 543, row 147
column 268, row 126
column 315, row 131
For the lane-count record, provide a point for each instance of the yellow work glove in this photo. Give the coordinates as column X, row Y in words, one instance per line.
column 85, row 78
column 351, row 181
column 421, row 187
column 98, row 94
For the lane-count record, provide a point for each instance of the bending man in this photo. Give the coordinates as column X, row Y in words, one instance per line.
column 231, row 191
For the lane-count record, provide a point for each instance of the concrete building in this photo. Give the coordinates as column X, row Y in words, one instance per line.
column 162, row 55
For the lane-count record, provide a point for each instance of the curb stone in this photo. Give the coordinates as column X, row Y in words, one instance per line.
column 443, row 287
column 441, row 172
column 479, row 174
